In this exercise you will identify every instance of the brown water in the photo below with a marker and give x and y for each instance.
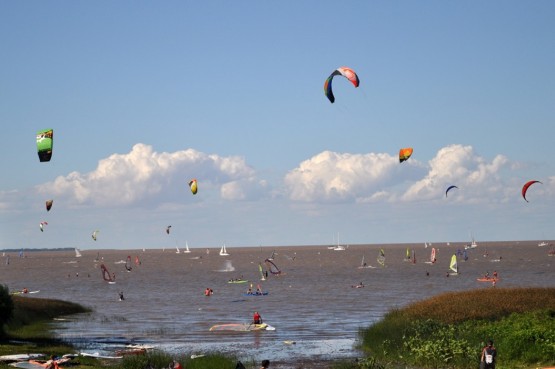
(311, 303)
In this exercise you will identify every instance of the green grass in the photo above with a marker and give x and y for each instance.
(449, 330)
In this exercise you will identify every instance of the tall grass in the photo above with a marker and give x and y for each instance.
(449, 330)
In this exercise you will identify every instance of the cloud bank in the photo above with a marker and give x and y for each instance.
(144, 175)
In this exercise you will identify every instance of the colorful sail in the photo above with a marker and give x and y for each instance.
(41, 225)
(272, 267)
(525, 188)
(453, 265)
(110, 278)
(342, 71)
(194, 186)
(404, 154)
(45, 140)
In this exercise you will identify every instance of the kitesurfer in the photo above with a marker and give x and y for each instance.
(256, 318)
(488, 356)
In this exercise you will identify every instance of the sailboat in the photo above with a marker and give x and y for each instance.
(453, 266)
(77, 253)
(472, 245)
(337, 247)
(223, 251)
(177, 251)
(187, 251)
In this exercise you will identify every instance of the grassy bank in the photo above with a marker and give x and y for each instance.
(449, 330)
(28, 331)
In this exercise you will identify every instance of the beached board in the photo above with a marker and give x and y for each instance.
(98, 356)
(20, 357)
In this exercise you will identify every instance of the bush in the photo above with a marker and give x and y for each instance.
(6, 308)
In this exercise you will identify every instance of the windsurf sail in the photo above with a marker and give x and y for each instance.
(77, 253)
(453, 265)
(272, 267)
(110, 278)
(381, 257)
(262, 276)
(413, 256)
(128, 263)
(137, 261)
(432, 256)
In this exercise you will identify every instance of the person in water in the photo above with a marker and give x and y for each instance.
(265, 364)
(208, 291)
(488, 356)
(256, 318)
(121, 298)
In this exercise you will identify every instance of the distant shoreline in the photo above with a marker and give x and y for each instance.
(199, 248)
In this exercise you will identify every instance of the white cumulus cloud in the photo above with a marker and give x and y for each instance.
(331, 176)
(373, 177)
(144, 174)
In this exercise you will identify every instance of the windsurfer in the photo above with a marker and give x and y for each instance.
(256, 318)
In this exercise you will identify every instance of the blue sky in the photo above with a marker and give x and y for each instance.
(144, 96)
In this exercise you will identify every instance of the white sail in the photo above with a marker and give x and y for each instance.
(77, 253)
(187, 248)
(223, 251)
(177, 251)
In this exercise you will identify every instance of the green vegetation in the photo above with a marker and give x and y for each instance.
(449, 330)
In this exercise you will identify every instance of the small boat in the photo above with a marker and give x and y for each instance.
(223, 251)
(242, 327)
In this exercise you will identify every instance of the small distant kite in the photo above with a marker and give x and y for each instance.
(41, 225)
(449, 189)
(526, 186)
(168, 229)
(49, 204)
(342, 71)
(45, 140)
(94, 234)
(404, 154)
(194, 187)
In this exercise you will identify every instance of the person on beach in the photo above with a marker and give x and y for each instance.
(489, 353)
(265, 364)
(51, 364)
(256, 318)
